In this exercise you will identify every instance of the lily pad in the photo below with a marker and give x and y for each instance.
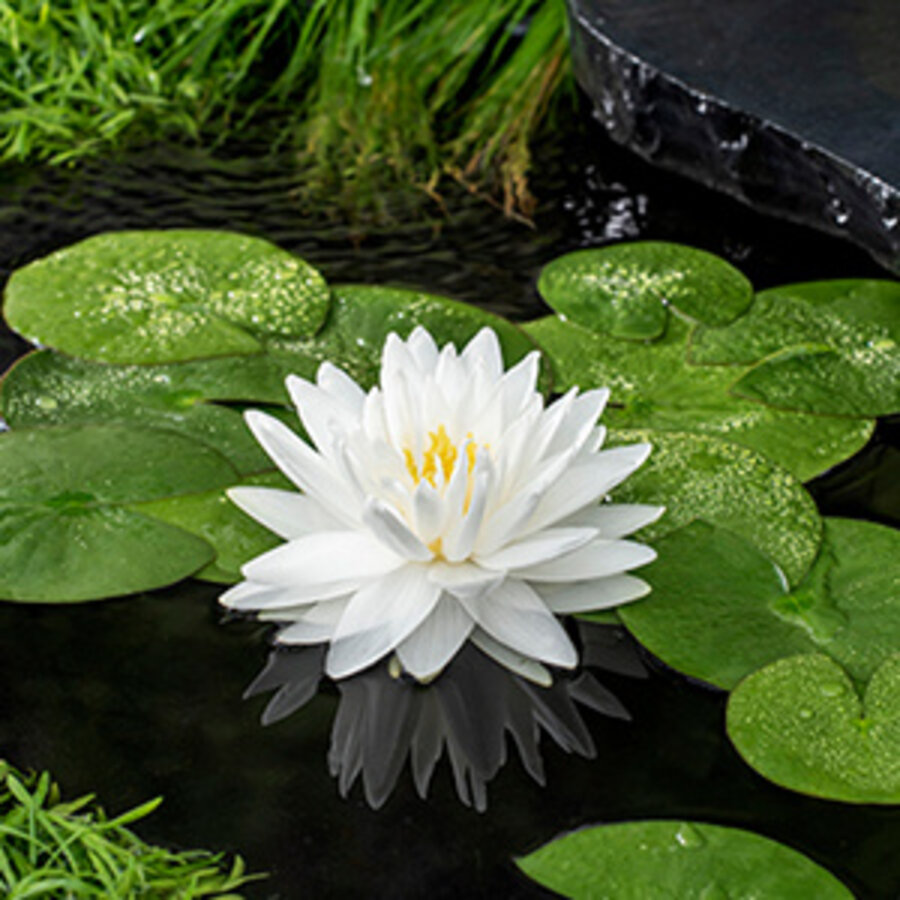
(826, 347)
(46, 388)
(657, 860)
(65, 532)
(363, 315)
(624, 290)
(800, 723)
(654, 387)
(165, 296)
(235, 537)
(720, 610)
(697, 476)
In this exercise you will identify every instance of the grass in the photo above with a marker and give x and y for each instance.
(73, 851)
(371, 93)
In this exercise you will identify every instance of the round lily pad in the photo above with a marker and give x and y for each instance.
(165, 296)
(826, 347)
(65, 534)
(235, 537)
(624, 290)
(658, 860)
(801, 723)
(697, 476)
(720, 610)
(362, 316)
(46, 388)
(654, 387)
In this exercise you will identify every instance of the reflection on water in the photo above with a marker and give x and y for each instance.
(382, 719)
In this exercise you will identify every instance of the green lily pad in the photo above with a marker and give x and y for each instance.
(65, 534)
(659, 860)
(720, 610)
(624, 290)
(46, 388)
(165, 296)
(235, 537)
(654, 387)
(800, 723)
(697, 476)
(826, 347)
(363, 315)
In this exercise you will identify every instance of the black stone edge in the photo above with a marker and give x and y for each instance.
(673, 125)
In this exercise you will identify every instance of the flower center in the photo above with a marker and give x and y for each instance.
(442, 452)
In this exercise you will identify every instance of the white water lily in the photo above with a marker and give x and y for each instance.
(447, 504)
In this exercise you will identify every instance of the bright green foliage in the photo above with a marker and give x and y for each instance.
(46, 388)
(624, 290)
(720, 610)
(825, 347)
(700, 477)
(234, 536)
(363, 315)
(801, 723)
(372, 93)
(653, 386)
(661, 860)
(165, 296)
(73, 850)
(65, 532)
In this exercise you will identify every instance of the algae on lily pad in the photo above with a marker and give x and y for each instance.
(653, 386)
(362, 316)
(623, 290)
(801, 723)
(829, 347)
(165, 296)
(46, 388)
(66, 533)
(720, 609)
(698, 476)
(235, 537)
(661, 860)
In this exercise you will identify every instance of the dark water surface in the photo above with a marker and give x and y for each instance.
(142, 696)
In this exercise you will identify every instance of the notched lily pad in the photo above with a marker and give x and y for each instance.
(720, 610)
(800, 723)
(624, 290)
(165, 296)
(46, 388)
(654, 387)
(235, 537)
(657, 860)
(701, 477)
(65, 534)
(362, 316)
(826, 347)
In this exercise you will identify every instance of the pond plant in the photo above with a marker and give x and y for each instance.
(444, 501)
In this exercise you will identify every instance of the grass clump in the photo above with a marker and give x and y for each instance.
(372, 93)
(72, 850)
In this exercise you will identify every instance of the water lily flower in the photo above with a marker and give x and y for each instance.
(446, 505)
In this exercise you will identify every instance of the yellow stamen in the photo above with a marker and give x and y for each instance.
(437, 548)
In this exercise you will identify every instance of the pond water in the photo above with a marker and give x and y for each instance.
(141, 696)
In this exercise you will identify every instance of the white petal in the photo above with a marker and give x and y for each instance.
(315, 626)
(393, 532)
(519, 385)
(423, 349)
(540, 547)
(320, 415)
(529, 669)
(584, 484)
(615, 520)
(378, 617)
(253, 596)
(341, 388)
(595, 560)
(460, 540)
(601, 593)
(428, 512)
(323, 558)
(580, 421)
(287, 513)
(484, 348)
(516, 616)
(436, 641)
(327, 611)
(464, 579)
(504, 524)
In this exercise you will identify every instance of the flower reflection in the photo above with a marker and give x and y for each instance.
(384, 718)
